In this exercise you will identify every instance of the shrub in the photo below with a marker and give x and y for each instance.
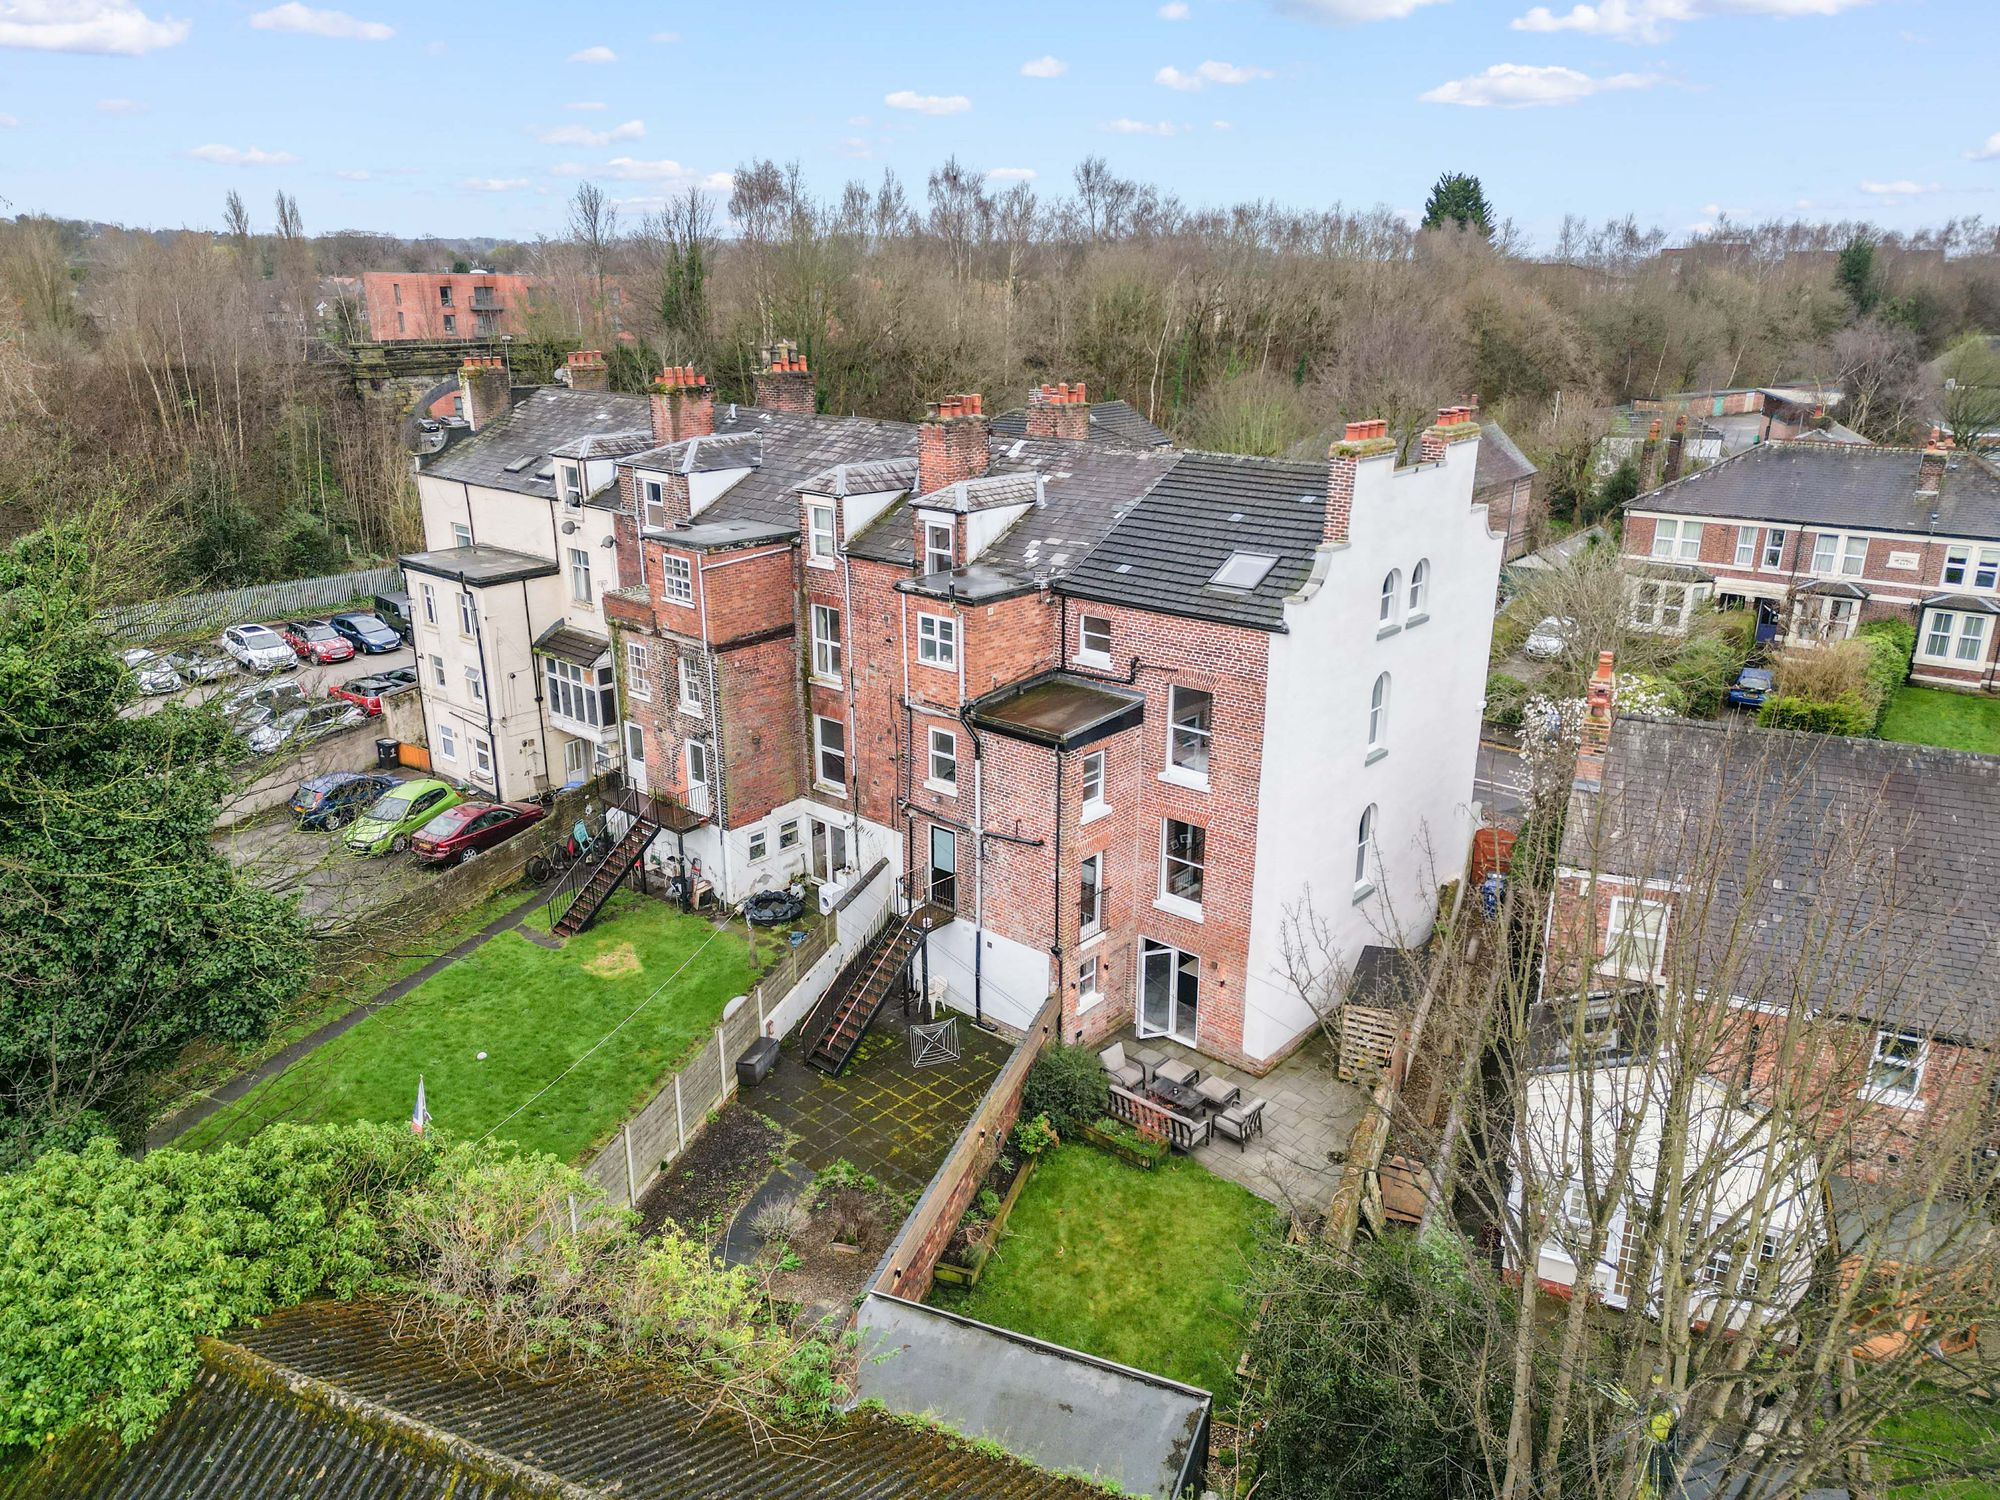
(1848, 714)
(1510, 630)
(1889, 644)
(1033, 1137)
(1824, 673)
(1650, 693)
(1706, 670)
(1066, 1084)
(1505, 697)
(781, 1221)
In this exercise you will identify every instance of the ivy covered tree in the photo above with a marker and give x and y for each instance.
(123, 934)
(1457, 198)
(1855, 274)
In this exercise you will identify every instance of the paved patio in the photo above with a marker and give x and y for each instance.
(1309, 1115)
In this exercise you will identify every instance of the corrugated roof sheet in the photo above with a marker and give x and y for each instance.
(1837, 484)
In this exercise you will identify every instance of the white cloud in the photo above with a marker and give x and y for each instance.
(1987, 150)
(1011, 174)
(855, 148)
(583, 135)
(586, 104)
(1140, 127)
(1222, 125)
(859, 122)
(1651, 20)
(120, 107)
(1515, 86)
(1351, 12)
(1902, 187)
(928, 104)
(355, 174)
(1044, 67)
(1173, 10)
(114, 26)
(664, 36)
(1207, 73)
(635, 169)
(8, 122)
(242, 156)
(306, 21)
(594, 55)
(494, 184)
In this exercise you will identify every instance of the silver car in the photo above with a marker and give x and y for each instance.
(1550, 637)
(155, 673)
(258, 647)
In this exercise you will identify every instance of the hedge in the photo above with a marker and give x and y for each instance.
(1891, 643)
(1848, 714)
(1506, 697)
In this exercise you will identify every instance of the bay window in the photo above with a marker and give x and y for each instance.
(583, 695)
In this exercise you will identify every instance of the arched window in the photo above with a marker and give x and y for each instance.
(1420, 587)
(1392, 596)
(1378, 714)
(1364, 846)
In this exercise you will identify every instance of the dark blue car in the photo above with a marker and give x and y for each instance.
(337, 798)
(366, 632)
(1752, 687)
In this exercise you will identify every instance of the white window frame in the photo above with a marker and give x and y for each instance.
(821, 534)
(828, 659)
(1090, 876)
(824, 754)
(579, 575)
(1367, 836)
(1088, 626)
(1389, 610)
(1661, 605)
(568, 688)
(569, 479)
(430, 599)
(1378, 718)
(1986, 569)
(1089, 987)
(937, 641)
(447, 742)
(1420, 593)
(461, 534)
(1903, 1096)
(1200, 740)
(1746, 546)
(676, 579)
(637, 685)
(1619, 929)
(1772, 558)
(653, 503)
(694, 691)
(933, 552)
(941, 753)
(1676, 539)
(759, 844)
(438, 677)
(1169, 899)
(1093, 773)
(468, 615)
(475, 683)
(482, 756)
(1839, 554)
(1963, 633)
(788, 834)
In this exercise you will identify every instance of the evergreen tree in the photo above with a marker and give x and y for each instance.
(1855, 273)
(1457, 198)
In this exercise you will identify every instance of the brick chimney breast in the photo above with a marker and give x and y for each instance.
(588, 371)
(783, 381)
(951, 442)
(1930, 472)
(1059, 411)
(1594, 743)
(1362, 442)
(681, 405)
(485, 388)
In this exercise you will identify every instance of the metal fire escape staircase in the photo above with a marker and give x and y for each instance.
(859, 990)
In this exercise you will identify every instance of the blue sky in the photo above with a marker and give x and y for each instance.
(479, 119)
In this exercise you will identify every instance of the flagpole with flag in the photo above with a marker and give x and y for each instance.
(421, 1115)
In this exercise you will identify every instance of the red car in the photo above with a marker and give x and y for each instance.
(316, 640)
(458, 833)
(367, 693)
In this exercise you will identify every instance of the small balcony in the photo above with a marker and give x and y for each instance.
(485, 299)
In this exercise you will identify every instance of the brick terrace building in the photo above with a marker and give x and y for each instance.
(436, 306)
(1819, 537)
(1122, 708)
(1830, 892)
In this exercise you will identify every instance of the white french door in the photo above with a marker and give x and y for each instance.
(1169, 992)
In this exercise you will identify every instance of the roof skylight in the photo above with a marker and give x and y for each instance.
(1243, 570)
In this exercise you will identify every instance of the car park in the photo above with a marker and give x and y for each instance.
(388, 824)
(366, 633)
(316, 641)
(1550, 637)
(367, 693)
(458, 833)
(258, 647)
(337, 798)
(393, 610)
(250, 706)
(1753, 685)
(200, 664)
(153, 672)
(301, 726)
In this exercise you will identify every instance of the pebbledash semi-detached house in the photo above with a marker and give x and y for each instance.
(1820, 537)
(1123, 710)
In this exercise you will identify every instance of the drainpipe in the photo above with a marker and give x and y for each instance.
(847, 665)
(486, 682)
(715, 720)
(535, 674)
(1055, 904)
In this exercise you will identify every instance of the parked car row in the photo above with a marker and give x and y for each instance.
(265, 648)
(384, 814)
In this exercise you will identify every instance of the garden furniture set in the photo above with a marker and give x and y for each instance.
(1180, 1086)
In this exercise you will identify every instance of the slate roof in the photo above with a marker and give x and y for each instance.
(1837, 484)
(877, 478)
(796, 448)
(1866, 864)
(321, 1400)
(1162, 554)
(547, 420)
(702, 455)
(1112, 419)
(1500, 462)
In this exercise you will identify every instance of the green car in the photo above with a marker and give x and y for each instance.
(398, 813)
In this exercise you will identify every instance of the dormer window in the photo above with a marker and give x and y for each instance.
(653, 495)
(939, 553)
(570, 477)
(819, 534)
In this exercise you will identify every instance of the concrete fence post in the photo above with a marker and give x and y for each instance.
(721, 1063)
(680, 1118)
(631, 1181)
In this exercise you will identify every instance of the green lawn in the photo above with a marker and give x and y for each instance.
(533, 1013)
(1145, 1268)
(1936, 1433)
(1938, 716)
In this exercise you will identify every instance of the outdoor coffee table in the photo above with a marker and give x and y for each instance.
(1178, 1095)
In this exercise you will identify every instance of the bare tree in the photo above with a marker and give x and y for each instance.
(593, 225)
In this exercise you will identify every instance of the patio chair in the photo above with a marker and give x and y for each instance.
(1217, 1092)
(1125, 1074)
(1241, 1121)
(1177, 1072)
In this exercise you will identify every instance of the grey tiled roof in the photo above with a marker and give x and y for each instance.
(1499, 462)
(606, 444)
(878, 478)
(1837, 484)
(326, 1401)
(795, 449)
(1162, 555)
(1865, 864)
(534, 429)
(1108, 419)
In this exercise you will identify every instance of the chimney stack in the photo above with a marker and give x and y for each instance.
(1455, 424)
(1649, 457)
(484, 388)
(1676, 446)
(1594, 744)
(588, 371)
(951, 442)
(681, 408)
(1930, 472)
(1363, 441)
(1059, 411)
(784, 383)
